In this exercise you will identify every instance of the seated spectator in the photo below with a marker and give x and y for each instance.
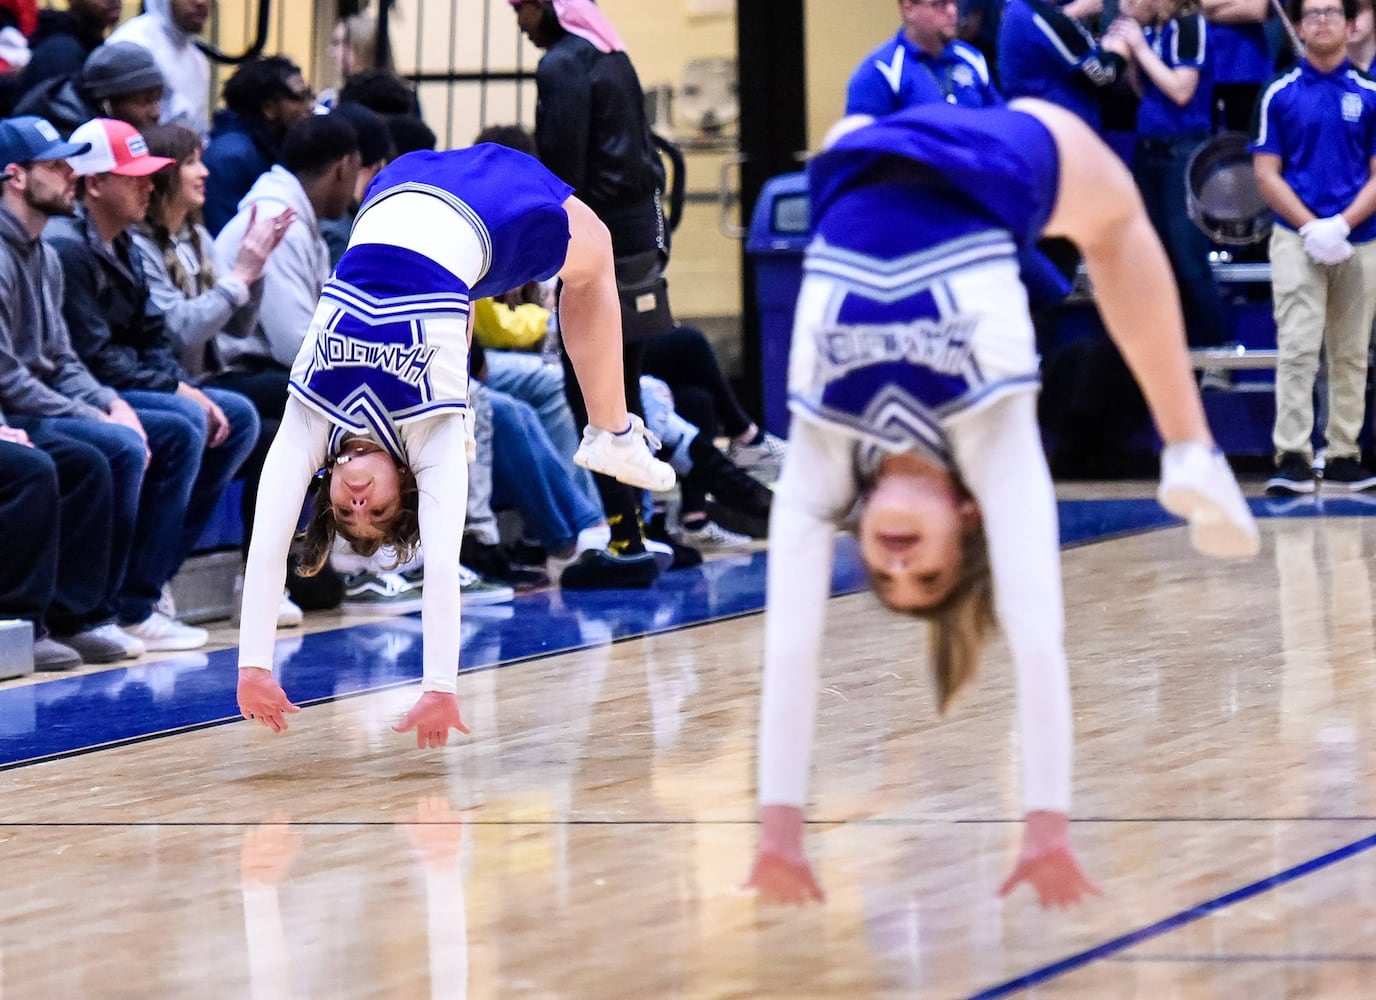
(263, 99)
(46, 391)
(702, 469)
(526, 472)
(168, 29)
(18, 21)
(117, 81)
(56, 504)
(316, 179)
(409, 134)
(374, 153)
(513, 337)
(65, 38)
(383, 91)
(203, 434)
(353, 49)
(205, 300)
(683, 357)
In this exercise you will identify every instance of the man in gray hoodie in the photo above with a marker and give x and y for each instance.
(315, 178)
(168, 29)
(45, 390)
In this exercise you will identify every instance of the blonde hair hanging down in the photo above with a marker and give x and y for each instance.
(960, 626)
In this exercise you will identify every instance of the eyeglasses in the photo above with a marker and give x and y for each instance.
(1323, 14)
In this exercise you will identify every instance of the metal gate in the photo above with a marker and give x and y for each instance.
(469, 62)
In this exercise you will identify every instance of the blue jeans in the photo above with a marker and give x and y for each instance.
(1160, 167)
(184, 482)
(530, 475)
(84, 514)
(529, 379)
(124, 453)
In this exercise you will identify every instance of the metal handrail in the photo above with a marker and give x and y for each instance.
(254, 51)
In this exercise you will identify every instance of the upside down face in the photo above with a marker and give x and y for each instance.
(365, 490)
(911, 533)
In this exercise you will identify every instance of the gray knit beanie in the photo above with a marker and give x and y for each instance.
(118, 68)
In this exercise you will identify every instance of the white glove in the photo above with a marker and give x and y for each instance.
(1325, 240)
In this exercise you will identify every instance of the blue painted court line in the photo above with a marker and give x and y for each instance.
(1243, 959)
(1108, 948)
(108, 708)
(67, 715)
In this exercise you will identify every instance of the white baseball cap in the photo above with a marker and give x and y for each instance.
(116, 148)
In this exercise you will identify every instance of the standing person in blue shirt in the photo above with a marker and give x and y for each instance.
(1241, 56)
(378, 407)
(1044, 51)
(926, 65)
(913, 385)
(1173, 67)
(922, 64)
(1313, 152)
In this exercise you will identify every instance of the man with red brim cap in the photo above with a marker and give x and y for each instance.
(197, 437)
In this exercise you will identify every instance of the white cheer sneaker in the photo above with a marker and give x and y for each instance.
(1197, 485)
(628, 457)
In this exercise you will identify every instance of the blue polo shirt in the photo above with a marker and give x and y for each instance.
(1180, 43)
(1241, 53)
(894, 76)
(899, 74)
(1044, 53)
(1323, 128)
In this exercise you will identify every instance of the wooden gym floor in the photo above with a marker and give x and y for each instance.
(588, 838)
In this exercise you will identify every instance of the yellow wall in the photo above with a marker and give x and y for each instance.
(839, 34)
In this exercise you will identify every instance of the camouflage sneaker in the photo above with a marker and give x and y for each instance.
(380, 594)
(477, 591)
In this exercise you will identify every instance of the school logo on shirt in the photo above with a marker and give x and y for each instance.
(941, 345)
(963, 76)
(407, 362)
(1352, 107)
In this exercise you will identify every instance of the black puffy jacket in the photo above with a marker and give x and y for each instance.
(592, 133)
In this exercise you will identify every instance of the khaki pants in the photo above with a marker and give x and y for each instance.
(1316, 306)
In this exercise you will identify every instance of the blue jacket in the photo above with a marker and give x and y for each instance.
(240, 151)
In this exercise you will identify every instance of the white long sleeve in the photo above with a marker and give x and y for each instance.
(816, 487)
(999, 452)
(297, 453)
(438, 449)
(438, 452)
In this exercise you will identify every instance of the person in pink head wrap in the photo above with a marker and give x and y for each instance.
(592, 133)
(584, 19)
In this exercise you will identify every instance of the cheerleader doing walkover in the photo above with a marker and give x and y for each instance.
(913, 384)
(379, 392)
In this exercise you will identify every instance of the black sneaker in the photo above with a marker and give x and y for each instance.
(1294, 476)
(681, 556)
(1347, 474)
(597, 569)
(490, 561)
